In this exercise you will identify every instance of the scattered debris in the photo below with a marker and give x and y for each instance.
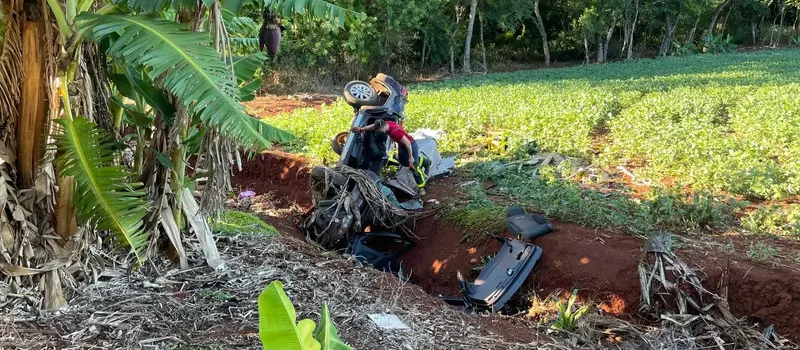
(211, 309)
(673, 292)
(467, 183)
(387, 321)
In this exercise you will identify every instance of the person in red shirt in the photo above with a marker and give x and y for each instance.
(407, 150)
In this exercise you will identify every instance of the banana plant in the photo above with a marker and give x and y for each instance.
(173, 60)
(278, 328)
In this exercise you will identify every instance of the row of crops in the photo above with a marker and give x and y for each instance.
(723, 124)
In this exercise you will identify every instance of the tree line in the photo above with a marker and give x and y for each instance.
(469, 35)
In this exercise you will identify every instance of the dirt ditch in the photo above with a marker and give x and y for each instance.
(600, 263)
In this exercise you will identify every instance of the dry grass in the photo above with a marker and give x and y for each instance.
(203, 308)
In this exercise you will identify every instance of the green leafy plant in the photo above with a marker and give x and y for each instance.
(233, 222)
(106, 195)
(279, 330)
(763, 252)
(567, 314)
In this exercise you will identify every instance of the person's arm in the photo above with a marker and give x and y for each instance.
(366, 128)
(407, 145)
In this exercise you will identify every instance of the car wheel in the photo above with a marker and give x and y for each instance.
(338, 141)
(358, 93)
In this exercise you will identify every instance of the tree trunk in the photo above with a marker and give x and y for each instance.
(628, 26)
(633, 29)
(753, 31)
(690, 37)
(780, 26)
(600, 55)
(542, 32)
(772, 40)
(608, 40)
(710, 33)
(458, 11)
(33, 107)
(725, 21)
(424, 43)
(483, 47)
(473, 8)
(666, 43)
(586, 48)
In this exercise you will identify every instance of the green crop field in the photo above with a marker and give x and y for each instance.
(720, 126)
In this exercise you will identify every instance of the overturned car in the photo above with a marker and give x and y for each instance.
(353, 196)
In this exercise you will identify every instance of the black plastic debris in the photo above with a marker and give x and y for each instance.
(507, 271)
(380, 250)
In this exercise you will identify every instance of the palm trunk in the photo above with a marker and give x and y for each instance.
(693, 31)
(710, 33)
(473, 8)
(542, 32)
(33, 107)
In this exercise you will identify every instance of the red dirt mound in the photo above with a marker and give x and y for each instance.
(283, 173)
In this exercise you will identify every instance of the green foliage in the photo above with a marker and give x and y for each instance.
(279, 330)
(105, 195)
(719, 45)
(318, 8)
(764, 253)
(776, 220)
(194, 72)
(480, 216)
(567, 314)
(718, 125)
(232, 222)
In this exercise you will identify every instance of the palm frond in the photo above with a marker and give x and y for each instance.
(105, 195)
(317, 8)
(188, 68)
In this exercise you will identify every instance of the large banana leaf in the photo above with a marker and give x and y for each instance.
(326, 332)
(105, 195)
(317, 8)
(189, 68)
(277, 322)
(154, 6)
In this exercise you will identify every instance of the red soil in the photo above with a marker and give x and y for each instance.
(282, 173)
(266, 106)
(601, 264)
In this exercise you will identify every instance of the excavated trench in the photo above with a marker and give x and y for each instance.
(600, 263)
